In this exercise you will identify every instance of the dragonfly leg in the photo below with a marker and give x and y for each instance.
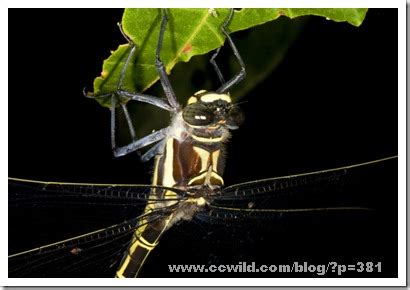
(135, 144)
(155, 101)
(123, 94)
(166, 85)
(215, 66)
(242, 73)
(137, 96)
(154, 150)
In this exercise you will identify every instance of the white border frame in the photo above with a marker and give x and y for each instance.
(400, 281)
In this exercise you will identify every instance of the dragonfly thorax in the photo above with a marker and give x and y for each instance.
(194, 151)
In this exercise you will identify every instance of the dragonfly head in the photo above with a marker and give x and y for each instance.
(211, 111)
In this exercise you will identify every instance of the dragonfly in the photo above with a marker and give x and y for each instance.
(187, 184)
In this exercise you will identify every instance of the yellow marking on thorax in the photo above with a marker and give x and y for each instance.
(209, 98)
(168, 177)
(215, 175)
(199, 92)
(192, 100)
(215, 159)
(200, 201)
(207, 140)
(208, 169)
(155, 176)
(208, 176)
(204, 156)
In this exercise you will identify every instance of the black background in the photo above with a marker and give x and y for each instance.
(331, 102)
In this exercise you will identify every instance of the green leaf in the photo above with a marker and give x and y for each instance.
(352, 16)
(190, 32)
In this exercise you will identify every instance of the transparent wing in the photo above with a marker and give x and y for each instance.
(24, 192)
(101, 249)
(337, 189)
(344, 215)
(74, 230)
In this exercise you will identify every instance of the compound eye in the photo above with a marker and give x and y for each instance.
(235, 118)
(198, 115)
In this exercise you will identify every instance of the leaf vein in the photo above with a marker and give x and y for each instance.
(217, 34)
(201, 23)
